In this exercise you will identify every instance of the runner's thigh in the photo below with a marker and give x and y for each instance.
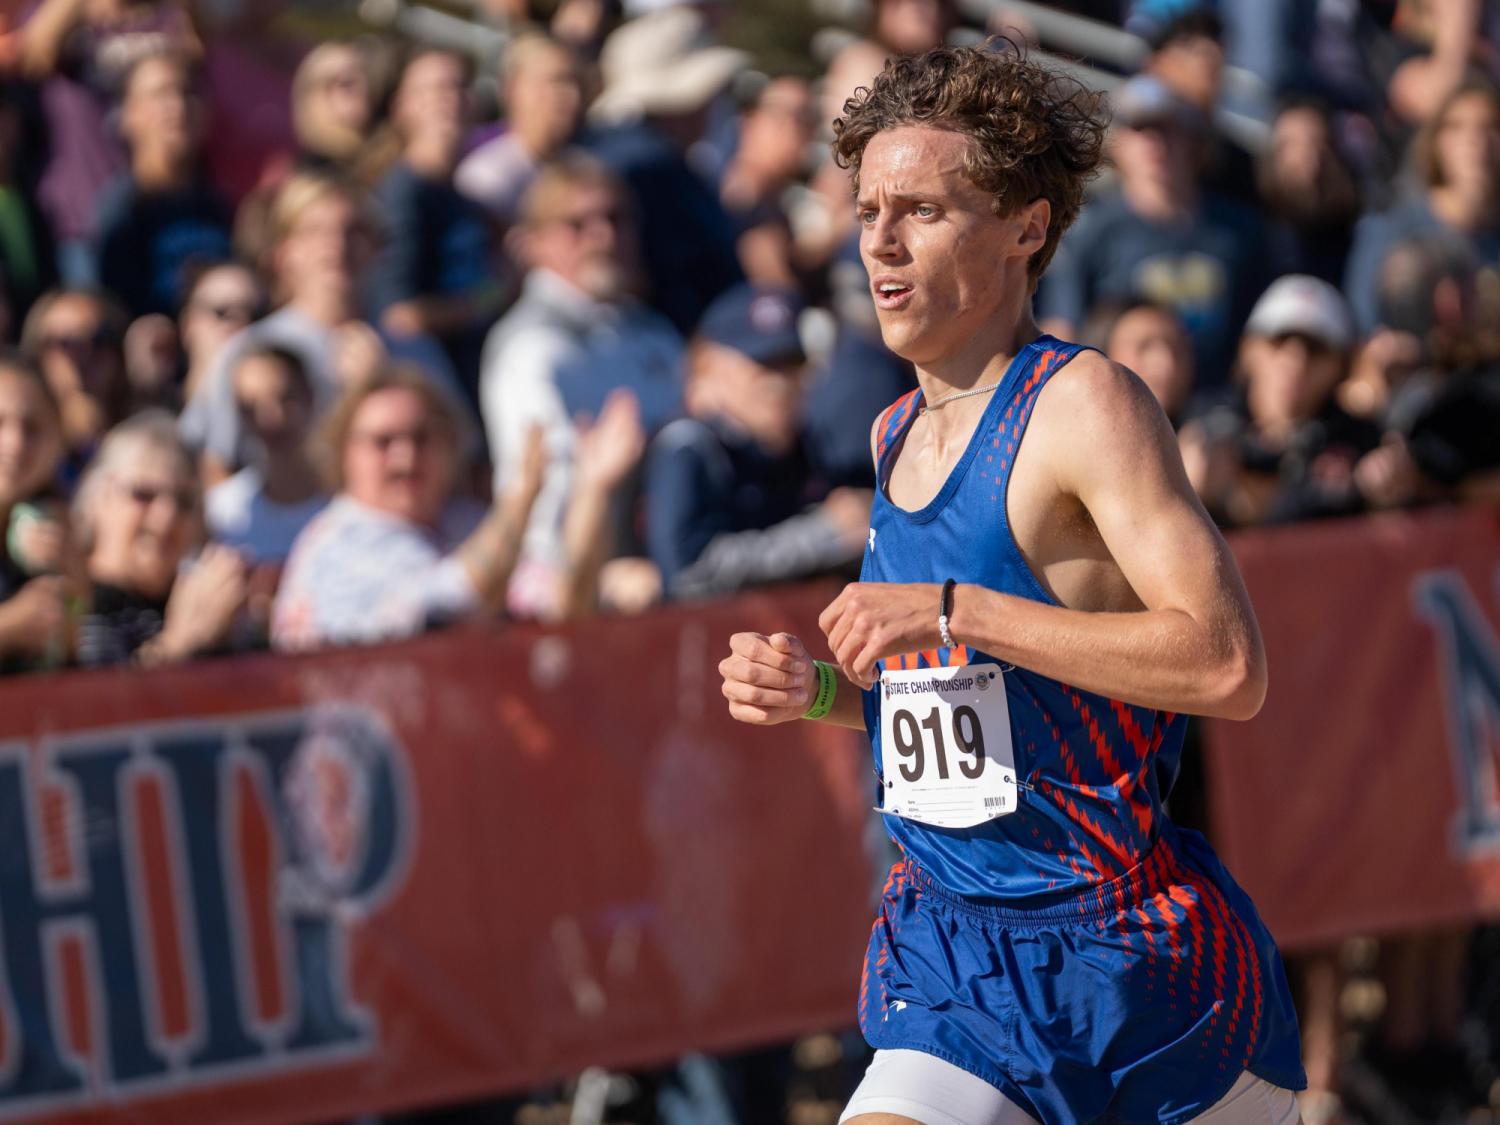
(1252, 1101)
(913, 1086)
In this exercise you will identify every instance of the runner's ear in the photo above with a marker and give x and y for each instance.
(1035, 219)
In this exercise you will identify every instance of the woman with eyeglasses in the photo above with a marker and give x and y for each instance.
(138, 515)
(394, 553)
(166, 359)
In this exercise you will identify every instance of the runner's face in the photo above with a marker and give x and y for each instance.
(941, 262)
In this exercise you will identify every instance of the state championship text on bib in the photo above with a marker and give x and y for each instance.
(945, 745)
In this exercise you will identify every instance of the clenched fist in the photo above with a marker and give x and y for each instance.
(767, 679)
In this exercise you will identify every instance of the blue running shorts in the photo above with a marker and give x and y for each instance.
(1142, 1000)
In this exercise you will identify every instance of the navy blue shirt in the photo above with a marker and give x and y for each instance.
(437, 244)
(706, 479)
(686, 238)
(147, 238)
(1209, 270)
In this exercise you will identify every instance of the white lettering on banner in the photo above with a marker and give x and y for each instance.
(945, 745)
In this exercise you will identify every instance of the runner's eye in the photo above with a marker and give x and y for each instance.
(867, 216)
(925, 210)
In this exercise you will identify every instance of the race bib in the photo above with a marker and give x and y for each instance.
(945, 745)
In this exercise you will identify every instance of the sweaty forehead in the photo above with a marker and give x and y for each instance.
(913, 158)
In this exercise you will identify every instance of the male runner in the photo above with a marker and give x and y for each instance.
(1043, 599)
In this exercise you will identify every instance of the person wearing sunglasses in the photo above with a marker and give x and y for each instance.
(223, 297)
(1295, 448)
(576, 333)
(138, 515)
(166, 360)
(74, 336)
(395, 552)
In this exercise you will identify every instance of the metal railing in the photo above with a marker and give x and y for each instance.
(1112, 54)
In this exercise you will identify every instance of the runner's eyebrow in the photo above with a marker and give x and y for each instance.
(864, 202)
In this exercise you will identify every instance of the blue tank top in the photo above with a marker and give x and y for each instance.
(1093, 772)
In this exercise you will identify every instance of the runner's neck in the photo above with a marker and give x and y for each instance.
(983, 362)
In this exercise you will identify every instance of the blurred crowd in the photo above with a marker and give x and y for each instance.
(337, 344)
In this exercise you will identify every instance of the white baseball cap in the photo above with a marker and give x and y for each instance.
(1308, 306)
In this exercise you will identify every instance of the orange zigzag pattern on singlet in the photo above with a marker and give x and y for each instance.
(1134, 735)
(1122, 855)
(1133, 788)
(1070, 766)
(1112, 767)
(1095, 832)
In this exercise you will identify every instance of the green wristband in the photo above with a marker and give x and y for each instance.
(828, 685)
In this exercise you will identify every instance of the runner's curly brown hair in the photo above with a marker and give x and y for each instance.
(1033, 134)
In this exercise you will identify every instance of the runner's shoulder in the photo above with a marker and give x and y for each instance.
(1094, 396)
(879, 423)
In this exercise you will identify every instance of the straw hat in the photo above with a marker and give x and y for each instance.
(662, 63)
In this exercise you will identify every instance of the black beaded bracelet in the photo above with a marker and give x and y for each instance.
(945, 610)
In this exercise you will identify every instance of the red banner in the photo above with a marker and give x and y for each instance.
(1363, 797)
(297, 889)
(275, 889)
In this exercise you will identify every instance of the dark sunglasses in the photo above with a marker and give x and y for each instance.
(95, 341)
(580, 223)
(239, 313)
(145, 495)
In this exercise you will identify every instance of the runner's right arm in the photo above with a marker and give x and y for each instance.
(770, 680)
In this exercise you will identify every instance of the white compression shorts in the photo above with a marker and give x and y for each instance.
(925, 1088)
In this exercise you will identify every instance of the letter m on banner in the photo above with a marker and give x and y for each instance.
(1471, 678)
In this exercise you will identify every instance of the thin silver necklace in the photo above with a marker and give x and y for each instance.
(946, 399)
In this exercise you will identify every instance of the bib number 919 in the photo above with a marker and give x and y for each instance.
(968, 737)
